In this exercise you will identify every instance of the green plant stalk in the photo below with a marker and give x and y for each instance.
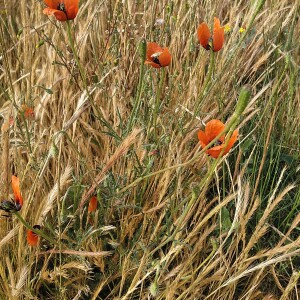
(71, 41)
(137, 100)
(59, 210)
(157, 100)
(36, 231)
(27, 135)
(27, 131)
(208, 80)
(223, 179)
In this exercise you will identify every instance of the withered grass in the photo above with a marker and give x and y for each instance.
(165, 237)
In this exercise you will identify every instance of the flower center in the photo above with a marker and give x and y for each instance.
(10, 206)
(155, 58)
(62, 7)
(216, 143)
(210, 44)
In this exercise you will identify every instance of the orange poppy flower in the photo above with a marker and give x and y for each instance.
(212, 129)
(8, 205)
(15, 182)
(93, 204)
(157, 56)
(62, 10)
(204, 36)
(33, 238)
(28, 112)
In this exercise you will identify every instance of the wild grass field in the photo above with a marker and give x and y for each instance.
(105, 148)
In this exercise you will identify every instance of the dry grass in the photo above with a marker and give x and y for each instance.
(164, 228)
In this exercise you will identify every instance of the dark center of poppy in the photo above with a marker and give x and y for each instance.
(9, 206)
(62, 7)
(18, 205)
(209, 44)
(156, 60)
(216, 143)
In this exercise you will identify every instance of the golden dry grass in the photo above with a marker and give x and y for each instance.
(164, 228)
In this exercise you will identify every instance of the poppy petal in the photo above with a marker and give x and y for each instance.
(218, 35)
(157, 56)
(151, 49)
(53, 3)
(232, 140)
(165, 57)
(58, 14)
(32, 238)
(28, 112)
(203, 35)
(15, 182)
(71, 7)
(93, 204)
(214, 128)
(203, 138)
(215, 151)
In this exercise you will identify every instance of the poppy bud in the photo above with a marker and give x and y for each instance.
(243, 100)
(143, 49)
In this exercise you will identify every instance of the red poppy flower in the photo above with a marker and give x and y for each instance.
(212, 129)
(15, 182)
(28, 112)
(204, 36)
(8, 205)
(93, 204)
(33, 238)
(62, 10)
(157, 56)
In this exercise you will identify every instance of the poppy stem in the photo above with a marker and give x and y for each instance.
(137, 99)
(36, 231)
(157, 100)
(210, 72)
(26, 130)
(224, 179)
(208, 80)
(72, 45)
